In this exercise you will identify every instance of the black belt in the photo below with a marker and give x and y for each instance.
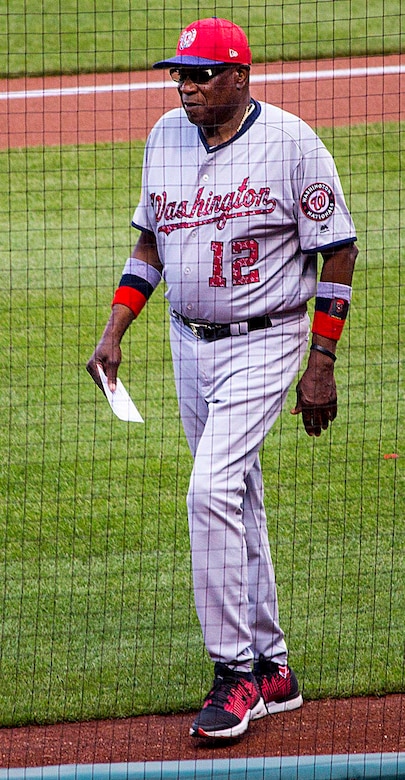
(211, 331)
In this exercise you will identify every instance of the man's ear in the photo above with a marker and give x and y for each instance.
(242, 76)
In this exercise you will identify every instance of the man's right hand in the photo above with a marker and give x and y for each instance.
(107, 353)
(108, 356)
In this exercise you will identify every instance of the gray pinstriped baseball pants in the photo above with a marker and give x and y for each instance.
(230, 393)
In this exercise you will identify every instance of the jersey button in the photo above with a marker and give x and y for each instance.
(189, 306)
(205, 177)
(187, 270)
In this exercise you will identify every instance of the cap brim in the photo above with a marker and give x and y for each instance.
(187, 60)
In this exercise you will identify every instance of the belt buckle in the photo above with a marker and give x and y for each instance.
(203, 330)
(195, 329)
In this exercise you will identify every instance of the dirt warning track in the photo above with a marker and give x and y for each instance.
(84, 109)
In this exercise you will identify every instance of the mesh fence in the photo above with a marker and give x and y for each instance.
(96, 599)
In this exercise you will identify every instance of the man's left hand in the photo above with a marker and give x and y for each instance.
(316, 395)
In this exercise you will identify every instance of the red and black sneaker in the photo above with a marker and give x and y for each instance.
(278, 686)
(232, 702)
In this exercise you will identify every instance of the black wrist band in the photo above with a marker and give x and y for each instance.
(318, 348)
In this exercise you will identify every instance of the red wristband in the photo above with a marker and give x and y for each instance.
(130, 297)
(325, 325)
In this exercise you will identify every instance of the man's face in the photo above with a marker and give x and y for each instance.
(209, 96)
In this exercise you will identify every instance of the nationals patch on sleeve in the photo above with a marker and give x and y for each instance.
(318, 202)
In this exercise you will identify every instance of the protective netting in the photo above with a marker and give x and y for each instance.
(97, 609)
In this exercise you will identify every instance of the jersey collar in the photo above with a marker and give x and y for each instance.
(245, 127)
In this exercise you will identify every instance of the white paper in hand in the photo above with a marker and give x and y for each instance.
(120, 402)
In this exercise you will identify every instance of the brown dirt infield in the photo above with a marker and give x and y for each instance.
(355, 725)
(58, 110)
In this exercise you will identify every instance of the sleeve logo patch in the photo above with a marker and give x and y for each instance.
(318, 202)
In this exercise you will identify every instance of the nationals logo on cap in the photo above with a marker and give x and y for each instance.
(209, 42)
(187, 39)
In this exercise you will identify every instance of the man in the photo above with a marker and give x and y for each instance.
(237, 200)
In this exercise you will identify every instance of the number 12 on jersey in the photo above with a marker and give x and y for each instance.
(239, 276)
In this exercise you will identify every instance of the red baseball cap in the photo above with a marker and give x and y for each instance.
(208, 42)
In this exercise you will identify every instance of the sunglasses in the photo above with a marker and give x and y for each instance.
(197, 75)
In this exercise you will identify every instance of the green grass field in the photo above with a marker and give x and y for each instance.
(102, 36)
(97, 615)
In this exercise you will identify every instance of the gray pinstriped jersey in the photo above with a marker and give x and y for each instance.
(238, 227)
